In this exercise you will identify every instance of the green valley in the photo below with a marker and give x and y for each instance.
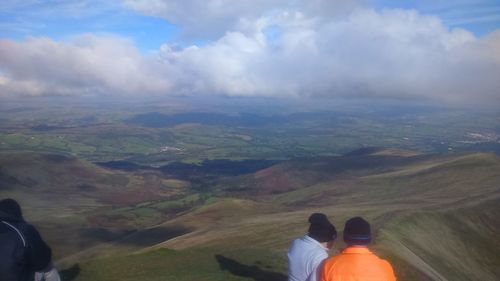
(221, 195)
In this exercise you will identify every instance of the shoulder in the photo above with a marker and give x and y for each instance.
(296, 245)
(331, 261)
(305, 248)
(387, 268)
(296, 242)
(319, 255)
(305, 244)
(19, 228)
(31, 235)
(26, 228)
(329, 266)
(383, 262)
(387, 265)
(9, 232)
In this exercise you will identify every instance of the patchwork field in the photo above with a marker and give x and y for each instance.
(169, 191)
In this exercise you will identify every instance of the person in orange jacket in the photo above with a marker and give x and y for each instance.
(357, 262)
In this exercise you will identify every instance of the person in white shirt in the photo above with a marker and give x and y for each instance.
(307, 253)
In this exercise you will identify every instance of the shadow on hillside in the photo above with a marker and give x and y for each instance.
(152, 236)
(141, 238)
(70, 273)
(251, 271)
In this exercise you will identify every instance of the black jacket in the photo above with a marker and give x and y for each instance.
(22, 250)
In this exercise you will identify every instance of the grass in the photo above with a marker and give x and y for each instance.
(434, 218)
(451, 245)
(74, 201)
(187, 265)
(454, 240)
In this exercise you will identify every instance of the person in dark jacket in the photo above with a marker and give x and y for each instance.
(22, 250)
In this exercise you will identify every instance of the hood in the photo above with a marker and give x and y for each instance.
(9, 217)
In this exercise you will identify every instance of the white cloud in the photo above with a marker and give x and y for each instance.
(393, 53)
(211, 19)
(259, 50)
(205, 19)
(88, 64)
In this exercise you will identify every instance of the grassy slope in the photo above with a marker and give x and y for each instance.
(64, 195)
(187, 265)
(453, 245)
(435, 219)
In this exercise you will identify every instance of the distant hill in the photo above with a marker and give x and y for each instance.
(303, 172)
(380, 151)
(61, 175)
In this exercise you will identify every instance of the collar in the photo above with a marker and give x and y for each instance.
(356, 250)
(309, 239)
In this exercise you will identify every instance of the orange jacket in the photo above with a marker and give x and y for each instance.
(357, 264)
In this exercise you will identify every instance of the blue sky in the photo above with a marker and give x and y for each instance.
(480, 16)
(64, 19)
(445, 51)
(60, 21)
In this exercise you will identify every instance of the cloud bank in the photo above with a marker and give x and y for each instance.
(87, 65)
(267, 48)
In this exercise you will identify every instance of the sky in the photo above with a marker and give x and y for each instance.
(440, 51)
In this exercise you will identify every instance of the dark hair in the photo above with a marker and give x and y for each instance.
(12, 208)
(357, 231)
(321, 229)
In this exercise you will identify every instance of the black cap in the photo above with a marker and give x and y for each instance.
(357, 231)
(321, 229)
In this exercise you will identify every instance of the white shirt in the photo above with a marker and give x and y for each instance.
(304, 259)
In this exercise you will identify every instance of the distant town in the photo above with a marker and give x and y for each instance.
(171, 149)
(482, 137)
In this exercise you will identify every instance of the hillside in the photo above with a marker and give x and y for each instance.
(434, 216)
(70, 199)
